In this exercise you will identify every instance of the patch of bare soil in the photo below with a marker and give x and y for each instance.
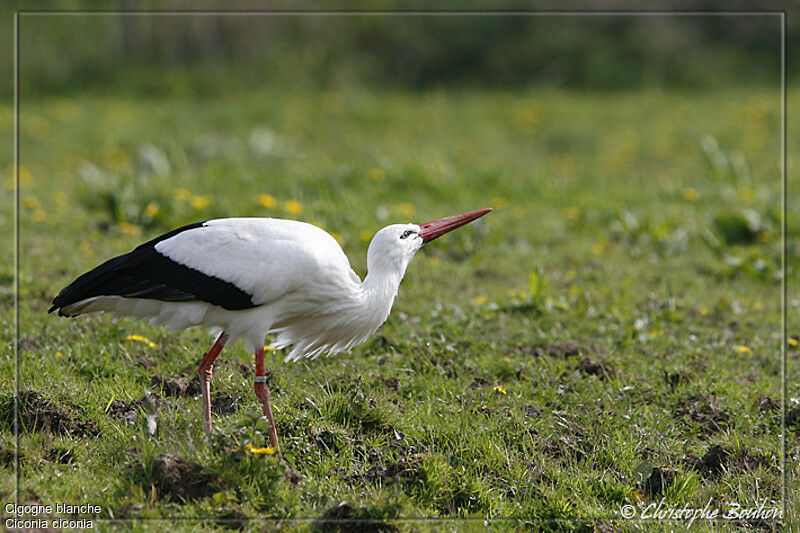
(346, 518)
(37, 413)
(713, 462)
(592, 368)
(705, 411)
(174, 478)
(130, 411)
(176, 387)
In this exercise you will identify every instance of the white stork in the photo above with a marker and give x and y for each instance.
(245, 278)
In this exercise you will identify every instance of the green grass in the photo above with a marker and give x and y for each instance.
(642, 227)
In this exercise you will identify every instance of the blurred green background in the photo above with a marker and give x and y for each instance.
(207, 54)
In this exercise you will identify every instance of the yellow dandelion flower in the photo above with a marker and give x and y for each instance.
(746, 195)
(377, 174)
(30, 202)
(364, 235)
(500, 389)
(763, 237)
(479, 300)
(182, 194)
(294, 207)
(690, 194)
(200, 202)
(266, 200)
(741, 348)
(572, 213)
(59, 355)
(792, 341)
(656, 332)
(130, 229)
(498, 202)
(39, 215)
(406, 209)
(704, 311)
(142, 339)
(268, 348)
(259, 451)
(598, 248)
(758, 305)
(152, 209)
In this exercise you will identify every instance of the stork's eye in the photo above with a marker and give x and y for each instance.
(407, 233)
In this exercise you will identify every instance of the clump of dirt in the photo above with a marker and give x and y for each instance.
(129, 411)
(705, 411)
(713, 462)
(592, 368)
(174, 478)
(392, 383)
(176, 386)
(225, 404)
(37, 413)
(658, 481)
(748, 462)
(765, 403)
(558, 349)
(346, 518)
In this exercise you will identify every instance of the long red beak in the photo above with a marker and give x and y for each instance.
(436, 228)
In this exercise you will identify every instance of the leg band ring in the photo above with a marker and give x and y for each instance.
(260, 379)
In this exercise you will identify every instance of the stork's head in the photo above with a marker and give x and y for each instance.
(393, 247)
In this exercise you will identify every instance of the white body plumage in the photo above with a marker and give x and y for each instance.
(299, 280)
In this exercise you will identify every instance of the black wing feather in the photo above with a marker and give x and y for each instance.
(145, 273)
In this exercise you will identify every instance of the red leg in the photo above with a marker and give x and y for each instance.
(262, 392)
(205, 370)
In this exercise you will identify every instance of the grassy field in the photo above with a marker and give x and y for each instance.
(618, 313)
